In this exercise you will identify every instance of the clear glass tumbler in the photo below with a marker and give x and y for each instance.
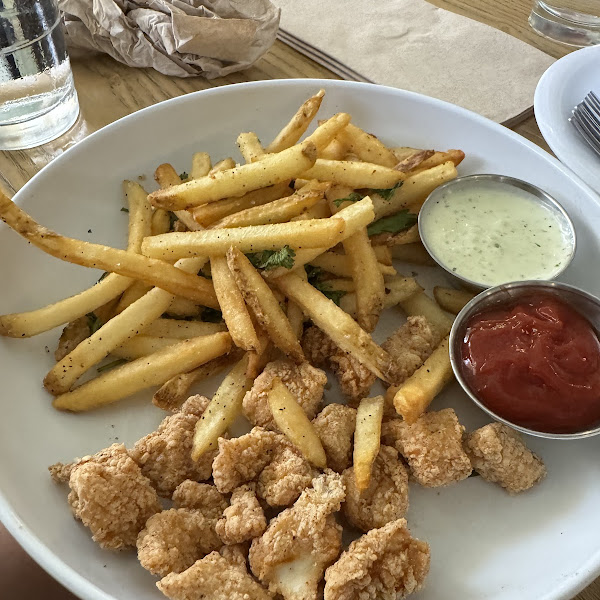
(38, 101)
(572, 22)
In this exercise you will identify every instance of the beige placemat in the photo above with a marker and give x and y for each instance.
(413, 45)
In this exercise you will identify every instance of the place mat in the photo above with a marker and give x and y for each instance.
(413, 45)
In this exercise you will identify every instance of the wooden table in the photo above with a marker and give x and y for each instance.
(109, 90)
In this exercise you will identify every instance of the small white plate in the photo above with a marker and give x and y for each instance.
(561, 88)
(485, 544)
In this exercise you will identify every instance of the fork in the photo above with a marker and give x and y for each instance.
(586, 120)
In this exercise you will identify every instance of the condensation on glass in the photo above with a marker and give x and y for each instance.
(38, 101)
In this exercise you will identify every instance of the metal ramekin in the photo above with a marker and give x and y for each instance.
(542, 196)
(586, 304)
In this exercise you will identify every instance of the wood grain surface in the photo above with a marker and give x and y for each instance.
(109, 90)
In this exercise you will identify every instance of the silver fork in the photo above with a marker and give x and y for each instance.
(586, 120)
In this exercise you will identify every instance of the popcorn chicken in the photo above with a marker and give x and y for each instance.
(499, 455)
(200, 496)
(61, 472)
(244, 519)
(383, 564)
(335, 425)
(242, 459)
(433, 448)
(173, 540)
(213, 578)
(111, 497)
(301, 542)
(236, 554)
(305, 383)
(386, 498)
(165, 454)
(354, 378)
(284, 478)
(409, 346)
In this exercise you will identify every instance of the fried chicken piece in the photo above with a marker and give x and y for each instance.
(383, 564)
(499, 455)
(242, 459)
(335, 425)
(409, 346)
(236, 554)
(213, 578)
(244, 519)
(173, 540)
(301, 542)
(61, 472)
(111, 497)
(285, 477)
(386, 498)
(392, 432)
(200, 496)
(432, 445)
(354, 378)
(305, 383)
(165, 454)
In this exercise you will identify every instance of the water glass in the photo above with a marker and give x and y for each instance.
(572, 22)
(38, 101)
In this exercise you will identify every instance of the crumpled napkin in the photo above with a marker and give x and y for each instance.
(183, 38)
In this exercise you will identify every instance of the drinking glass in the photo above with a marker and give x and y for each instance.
(572, 22)
(38, 101)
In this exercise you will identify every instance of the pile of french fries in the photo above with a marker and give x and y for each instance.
(303, 230)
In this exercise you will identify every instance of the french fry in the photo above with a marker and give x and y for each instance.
(182, 330)
(233, 307)
(422, 305)
(160, 222)
(250, 146)
(339, 265)
(412, 161)
(183, 308)
(111, 335)
(326, 132)
(354, 175)
(338, 325)
(342, 284)
(174, 392)
(451, 300)
(264, 305)
(410, 236)
(335, 150)
(254, 238)
(355, 216)
(257, 360)
(135, 266)
(402, 152)
(166, 176)
(143, 373)
(397, 289)
(201, 165)
(320, 210)
(296, 318)
(278, 211)
(414, 253)
(223, 165)
(364, 269)
(222, 410)
(134, 292)
(34, 322)
(383, 254)
(237, 181)
(367, 439)
(438, 158)
(207, 214)
(142, 345)
(298, 124)
(414, 191)
(292, 421)
(413, 397)
(366, 146)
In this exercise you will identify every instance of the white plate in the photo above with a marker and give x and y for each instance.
(563, 86)
(485, 544)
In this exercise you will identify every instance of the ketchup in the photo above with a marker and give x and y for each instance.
(535, 363)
